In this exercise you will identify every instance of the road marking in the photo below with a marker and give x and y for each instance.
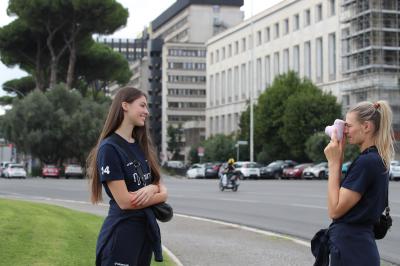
(247, 228)
(308, 206)
(215, 199)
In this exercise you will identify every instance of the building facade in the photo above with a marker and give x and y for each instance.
(349, 48)
(177, 62)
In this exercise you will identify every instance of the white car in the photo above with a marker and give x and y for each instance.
(247, 170)
(394, 172)
(73, 170)
(317, 171)
(197, 170)
(3, 166)
(15, 170)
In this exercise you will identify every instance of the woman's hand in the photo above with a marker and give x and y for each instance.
(334, 151)
(142, 196)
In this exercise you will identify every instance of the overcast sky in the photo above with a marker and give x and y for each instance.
(140, 14)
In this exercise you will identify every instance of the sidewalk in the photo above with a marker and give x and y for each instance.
(201, 243)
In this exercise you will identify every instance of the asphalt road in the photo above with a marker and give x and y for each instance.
(296, 208)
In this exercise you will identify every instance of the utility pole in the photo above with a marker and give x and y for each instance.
(252, 85)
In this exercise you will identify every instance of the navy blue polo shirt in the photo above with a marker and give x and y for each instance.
(114, 164)
(368, 176)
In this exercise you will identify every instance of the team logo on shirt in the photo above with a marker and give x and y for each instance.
(105, 170)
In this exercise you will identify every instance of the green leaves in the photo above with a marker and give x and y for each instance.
(286, 115)
(53, 126)
(219, 148)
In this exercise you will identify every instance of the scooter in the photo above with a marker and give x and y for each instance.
(231, 182)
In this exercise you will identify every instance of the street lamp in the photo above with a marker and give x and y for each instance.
(252, 87)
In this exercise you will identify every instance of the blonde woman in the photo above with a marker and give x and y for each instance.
(357, 202)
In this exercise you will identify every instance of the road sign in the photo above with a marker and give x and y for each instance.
(200, 151)
(242, 142)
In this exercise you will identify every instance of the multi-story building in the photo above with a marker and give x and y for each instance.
(370, 52)
(177, 62)
(347, 47)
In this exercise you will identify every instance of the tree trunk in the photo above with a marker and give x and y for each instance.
(71, 65)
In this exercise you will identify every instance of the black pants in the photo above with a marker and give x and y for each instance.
(128, 246)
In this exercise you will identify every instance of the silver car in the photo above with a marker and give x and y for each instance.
(317, 171)
(394, 172)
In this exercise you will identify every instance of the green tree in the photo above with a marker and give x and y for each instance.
(174, 142)
(219, 148)
(193, 155)
(315, 146)
(22, 85)
(47, 35)
(54, 126)
(286, 115)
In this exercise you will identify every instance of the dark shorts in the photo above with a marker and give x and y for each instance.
(352, 245)
(128, 245)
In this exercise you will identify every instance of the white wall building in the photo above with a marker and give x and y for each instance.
(294, 35)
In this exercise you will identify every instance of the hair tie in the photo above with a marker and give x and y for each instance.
(377, 105)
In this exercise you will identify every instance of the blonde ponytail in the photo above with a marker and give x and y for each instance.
(380, 114)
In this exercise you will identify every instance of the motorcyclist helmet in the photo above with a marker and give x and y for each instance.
(231, 161)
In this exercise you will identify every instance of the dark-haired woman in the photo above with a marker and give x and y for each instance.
(130, 232)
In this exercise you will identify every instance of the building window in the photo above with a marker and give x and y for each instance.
(318, 12)
(236, 47)
(276, 34)
(236, 83)
(332, 56)
(217, 56)
(211, 58)
(276, 64)
(229, 86)
(223, 53)
(229, 50)
(217, 89)
(259, 38)
(332, 7)
(243, 44)
(250, 41)
(223, 87)
(307, 17)
(307, 60)
(286, 26)
(212, 91)
(259, 85)
(267, 36)
(296, 59)
(296, 22)
(285, 60)
(319, 60)
(243, 81)
(267, 71)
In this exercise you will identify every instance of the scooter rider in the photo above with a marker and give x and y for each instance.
(228, 172)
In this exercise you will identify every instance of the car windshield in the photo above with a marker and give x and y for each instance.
(50, 166)
(321, 165)
(275, 164)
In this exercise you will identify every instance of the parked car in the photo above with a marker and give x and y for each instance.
(3, 166)
(15, 170)
(50, 171)
(275, 169)
(295, 172)
(345, 167)
(316, 171)
(212, 169)
(73, 170)
(394, 172)
(196, 170)
(247, 170)
(175, 164)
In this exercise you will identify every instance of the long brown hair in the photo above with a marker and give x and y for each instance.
(140, 134)
(380, 114)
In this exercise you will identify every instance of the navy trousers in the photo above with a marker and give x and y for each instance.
(352, 245)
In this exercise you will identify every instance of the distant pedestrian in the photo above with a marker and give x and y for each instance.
(357, 202)
(130, 231)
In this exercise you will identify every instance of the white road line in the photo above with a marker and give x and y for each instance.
(308, 206)
(214, 199)
(247, 228)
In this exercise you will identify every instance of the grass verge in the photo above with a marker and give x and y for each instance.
(42, 235)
